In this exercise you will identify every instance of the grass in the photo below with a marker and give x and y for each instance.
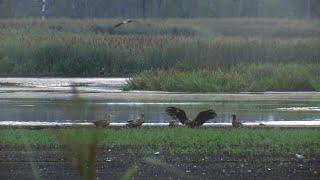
(64, 47)
(182, 140)
(246, 77)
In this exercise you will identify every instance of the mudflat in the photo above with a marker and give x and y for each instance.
(51, 163)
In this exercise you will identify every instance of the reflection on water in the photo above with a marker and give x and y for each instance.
(53, 111)
(301, 109)
(42, 99)
(61, 84)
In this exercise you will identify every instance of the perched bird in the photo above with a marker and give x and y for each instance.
(136, 122)
(103, 123)
(235, 122)
(124, 22)
(202, 117)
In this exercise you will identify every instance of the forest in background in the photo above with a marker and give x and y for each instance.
(159, 8)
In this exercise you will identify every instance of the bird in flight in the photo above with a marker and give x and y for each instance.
(201, 118)
(124, 22)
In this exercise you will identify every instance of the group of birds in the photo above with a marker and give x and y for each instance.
(130, 123)
(177, 116)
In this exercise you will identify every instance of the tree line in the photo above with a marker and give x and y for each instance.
(159, 8)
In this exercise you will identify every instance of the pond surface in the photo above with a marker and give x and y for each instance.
(49, 99)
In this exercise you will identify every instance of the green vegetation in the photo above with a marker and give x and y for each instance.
(82, 156)
(161, 8)
(200, 55)
(63, 47)
(181, 140)
(251, 77)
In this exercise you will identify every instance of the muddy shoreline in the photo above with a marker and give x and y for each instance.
(113, 163)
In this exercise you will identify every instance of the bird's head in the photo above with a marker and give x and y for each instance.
(141, 120)
(234, 117)
(107, 116)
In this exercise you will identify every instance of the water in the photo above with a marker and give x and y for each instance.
(48, 99)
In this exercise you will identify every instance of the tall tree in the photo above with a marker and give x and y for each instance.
(239, 5)
(308, 8)
(44, 9)
(144, 8)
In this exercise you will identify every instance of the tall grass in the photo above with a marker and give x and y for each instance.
(89, 48)
(179, 141)
(121, 55)
(201, 26)
(245, 77)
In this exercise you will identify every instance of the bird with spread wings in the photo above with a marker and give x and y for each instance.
(124, 22)
(202, 117)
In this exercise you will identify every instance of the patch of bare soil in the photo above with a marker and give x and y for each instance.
(113, 163)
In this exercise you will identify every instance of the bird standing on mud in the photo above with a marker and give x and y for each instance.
(136, 123)
(103, 123)
(202, 117)
(235, 122)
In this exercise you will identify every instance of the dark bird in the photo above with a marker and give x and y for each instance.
(103, 123)
(236, 123)
(174, 121)
(261, 124)
(124, 22)
(136, 123)
(201, 118)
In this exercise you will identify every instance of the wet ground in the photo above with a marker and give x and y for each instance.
(113, 163)
(42, 100)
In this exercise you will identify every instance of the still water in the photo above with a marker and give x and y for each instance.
(49, 99)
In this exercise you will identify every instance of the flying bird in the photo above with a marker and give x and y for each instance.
(236, 123)
(202, 117)
(136, 122)
(103, 123)
(124, 22)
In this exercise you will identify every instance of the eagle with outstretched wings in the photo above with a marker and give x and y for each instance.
(202, 117)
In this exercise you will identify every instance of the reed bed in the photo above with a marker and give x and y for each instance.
(205, 26)
(241, 78)
(64, 47)
(73, 55)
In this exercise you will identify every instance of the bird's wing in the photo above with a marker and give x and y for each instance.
(204, 116)
(118, 25)
(132, 21)
(130, 121)
(177, 113)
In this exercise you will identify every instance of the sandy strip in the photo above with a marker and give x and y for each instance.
(89, 124)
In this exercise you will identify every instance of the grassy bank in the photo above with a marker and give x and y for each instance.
(180, 140)
(251, 77)
(63, 47)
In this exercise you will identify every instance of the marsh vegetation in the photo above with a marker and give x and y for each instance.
(179, 47)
